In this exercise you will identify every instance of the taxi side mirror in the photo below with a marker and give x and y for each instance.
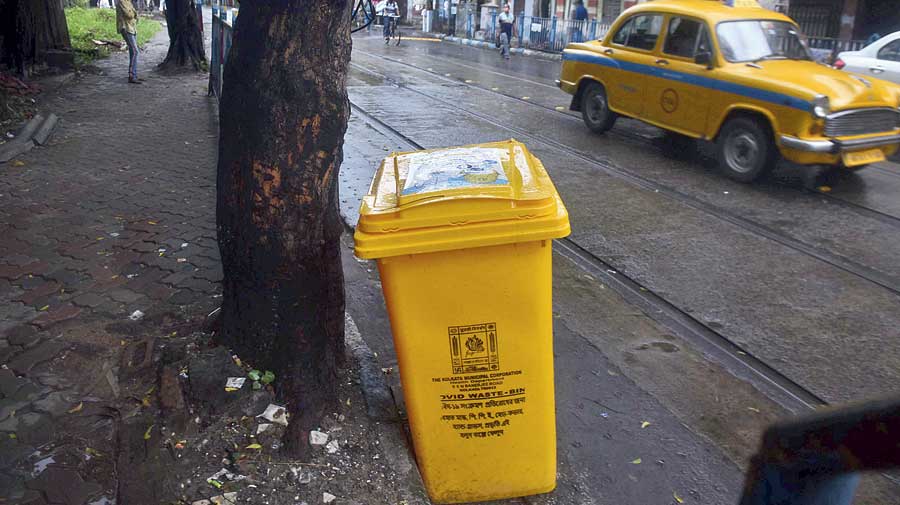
(704, 58)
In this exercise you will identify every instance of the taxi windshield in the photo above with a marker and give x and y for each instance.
(756, 40)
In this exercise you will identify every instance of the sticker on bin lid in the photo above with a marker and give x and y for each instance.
(462, 168)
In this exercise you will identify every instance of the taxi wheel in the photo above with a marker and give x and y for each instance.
(745, 149)
(595, 108)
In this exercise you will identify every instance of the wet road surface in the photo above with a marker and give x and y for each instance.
(799, 280)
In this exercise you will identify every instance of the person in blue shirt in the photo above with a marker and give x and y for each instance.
(580, 15)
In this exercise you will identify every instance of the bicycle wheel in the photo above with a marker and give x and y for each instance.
(397, 30)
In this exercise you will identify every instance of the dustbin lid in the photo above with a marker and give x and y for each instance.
(458, 197)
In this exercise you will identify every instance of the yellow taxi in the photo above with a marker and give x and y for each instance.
(741, 76)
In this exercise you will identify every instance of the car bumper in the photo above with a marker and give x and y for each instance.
(838, 146)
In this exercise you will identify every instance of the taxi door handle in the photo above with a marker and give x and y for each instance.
(876, 70)
(662, 62)
(608, 51)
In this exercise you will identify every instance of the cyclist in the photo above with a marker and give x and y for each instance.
(391, 14)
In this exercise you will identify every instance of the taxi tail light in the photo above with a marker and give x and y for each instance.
(839, 64)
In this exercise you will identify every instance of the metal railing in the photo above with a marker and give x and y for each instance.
(542, 34)
(222, 29)
(826, 49)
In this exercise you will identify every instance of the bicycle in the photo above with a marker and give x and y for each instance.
(368, 15)
(393, 30)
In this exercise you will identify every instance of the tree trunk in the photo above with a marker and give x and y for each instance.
(31, 28)
(183, 21)
(284, 111)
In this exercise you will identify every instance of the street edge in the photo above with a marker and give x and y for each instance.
(380, 407)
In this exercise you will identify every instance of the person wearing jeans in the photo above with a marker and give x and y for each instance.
(126, 24)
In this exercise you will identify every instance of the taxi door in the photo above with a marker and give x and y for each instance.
(677, 98)
(631, 48)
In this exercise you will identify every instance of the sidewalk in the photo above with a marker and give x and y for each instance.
(110, 391)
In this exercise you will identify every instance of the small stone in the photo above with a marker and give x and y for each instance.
(332, 447)
(328, 497)
(136, 315)
(317, 438)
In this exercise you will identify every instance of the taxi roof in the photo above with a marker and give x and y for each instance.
(713, 11)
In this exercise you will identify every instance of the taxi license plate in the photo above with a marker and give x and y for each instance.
(856, 158)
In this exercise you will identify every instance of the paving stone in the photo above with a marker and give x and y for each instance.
(184, 297)
(64, 486)
(123, 295)
(55, 404)
(28, 392)
(43, 352)
(160, 292)
(9, 406)
(39, 291)
(89, 299)
(56, 314)
(70, 278)
(24, 335)
(19, 260)
(9, 352)
(10, 272)
(9, 383)
(29, 497)
(13, 450)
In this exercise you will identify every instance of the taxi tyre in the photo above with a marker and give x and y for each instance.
(595, 111)
(745, 149)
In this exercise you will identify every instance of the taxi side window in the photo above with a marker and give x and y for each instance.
(681, 39)
(890, 52)
(621, 36)
(639, 32)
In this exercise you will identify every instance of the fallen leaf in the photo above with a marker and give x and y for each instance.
(254, 375)
(45, 307)
(76, 408)
(93, 452)
(526, 98)
(753, 409)
(645, 424)
(677, 498)
(148, 433)
(560, 108)
(268, 377)
(18, 163)
(13, 436)
(151, 222)
(824, 189)
(636, 461)
(253, 446)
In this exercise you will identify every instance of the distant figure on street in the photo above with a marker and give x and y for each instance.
(507, 27)
(126, 24)
(580, 15)
(391, 14)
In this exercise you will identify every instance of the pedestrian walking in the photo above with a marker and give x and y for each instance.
(580, 15)
(507, 27)
(126, 24)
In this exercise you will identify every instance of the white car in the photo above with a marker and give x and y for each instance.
(879, 59)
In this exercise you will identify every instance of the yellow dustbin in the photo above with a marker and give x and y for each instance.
(463, 241)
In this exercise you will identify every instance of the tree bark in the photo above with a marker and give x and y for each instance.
(183, 21)
(283, 115)
(31, 28)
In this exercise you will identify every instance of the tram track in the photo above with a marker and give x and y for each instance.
(864, 272)
(859, 209)
(787, 393)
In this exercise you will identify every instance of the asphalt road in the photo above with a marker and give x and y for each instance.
(801, 283)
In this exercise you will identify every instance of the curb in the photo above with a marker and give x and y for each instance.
(381, 408)
(514, 50)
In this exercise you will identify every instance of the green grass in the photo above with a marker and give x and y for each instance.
(87, 25)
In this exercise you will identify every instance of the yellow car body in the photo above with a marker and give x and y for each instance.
(858, 123)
